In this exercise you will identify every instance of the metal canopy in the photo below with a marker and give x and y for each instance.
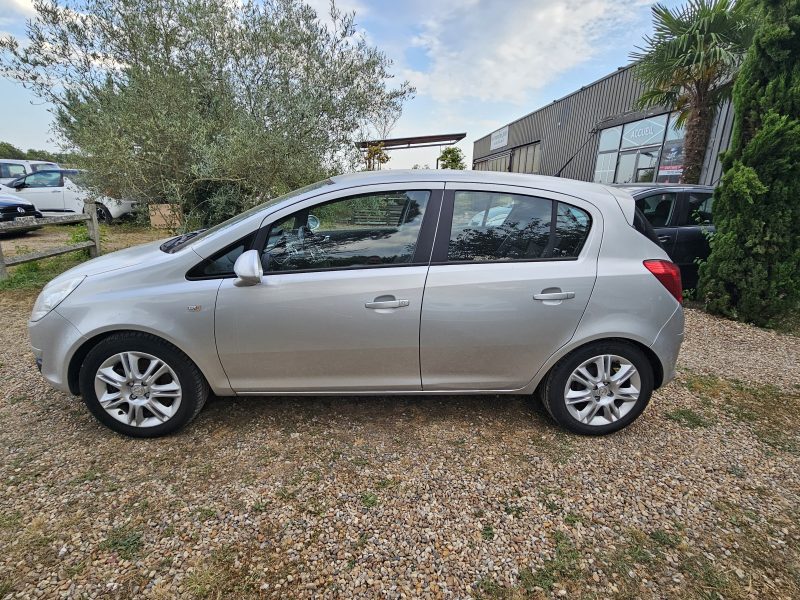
(420, 141)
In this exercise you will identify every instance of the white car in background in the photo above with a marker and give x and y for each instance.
(12, 168)
(58, 192)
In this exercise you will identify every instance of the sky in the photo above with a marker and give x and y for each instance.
(476, 64)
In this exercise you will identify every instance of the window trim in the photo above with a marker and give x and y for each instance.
(442, 242)
(424, 246)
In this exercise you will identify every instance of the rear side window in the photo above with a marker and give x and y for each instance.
(658, 208)
(700, 205)
(495, 226)
(11, 170)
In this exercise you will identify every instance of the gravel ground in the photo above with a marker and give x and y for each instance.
(113, 237)
(412, 497)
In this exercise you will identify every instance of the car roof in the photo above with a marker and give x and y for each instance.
(571, 187)
(637, 188)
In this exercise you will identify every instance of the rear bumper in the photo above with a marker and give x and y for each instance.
(667, 344)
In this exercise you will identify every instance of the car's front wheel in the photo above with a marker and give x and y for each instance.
(599, 388)
(141, 386)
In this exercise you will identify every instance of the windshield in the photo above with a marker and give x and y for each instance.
(178, 242)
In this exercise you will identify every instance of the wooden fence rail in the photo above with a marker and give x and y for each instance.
(93, 244)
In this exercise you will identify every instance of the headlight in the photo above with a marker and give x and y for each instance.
(53, 294)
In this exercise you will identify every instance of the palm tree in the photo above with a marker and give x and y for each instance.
(689, 65)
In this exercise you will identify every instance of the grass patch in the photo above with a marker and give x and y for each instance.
(664, 538)
(563, 565)
(123, 541)
(688, 418)
(772, 413)
(10, 520)
(34, 275)
(369, 499)
(223, 576)
(6, 587)
(572, 519)
(487, 532)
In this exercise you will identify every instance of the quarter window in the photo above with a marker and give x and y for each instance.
(494, 226)
(657, 208)
(369, 230)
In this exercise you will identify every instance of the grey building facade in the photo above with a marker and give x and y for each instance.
(596, 134)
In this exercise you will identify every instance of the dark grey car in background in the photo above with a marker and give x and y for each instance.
(681, 216)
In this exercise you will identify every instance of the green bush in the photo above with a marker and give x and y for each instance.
(753, 272)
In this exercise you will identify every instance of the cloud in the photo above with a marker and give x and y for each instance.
(17, 7)
(485, 50)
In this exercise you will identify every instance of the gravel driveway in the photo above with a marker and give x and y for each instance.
(405, 497)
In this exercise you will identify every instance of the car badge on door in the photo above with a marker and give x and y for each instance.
(20, 209)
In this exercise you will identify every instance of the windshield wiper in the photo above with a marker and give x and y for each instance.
(173, 243)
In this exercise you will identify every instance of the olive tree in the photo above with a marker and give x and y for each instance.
(210, 105)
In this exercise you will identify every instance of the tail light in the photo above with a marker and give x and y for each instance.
(668, 274)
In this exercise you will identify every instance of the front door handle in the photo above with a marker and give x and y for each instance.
(554, 296)
(393, 303)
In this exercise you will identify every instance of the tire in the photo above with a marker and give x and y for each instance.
(126, 409)
(103, 214)
(612, 404)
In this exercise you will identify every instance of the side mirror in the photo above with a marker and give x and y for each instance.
(248, 269)
(18, 185)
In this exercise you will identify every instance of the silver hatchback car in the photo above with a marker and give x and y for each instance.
(392, 282)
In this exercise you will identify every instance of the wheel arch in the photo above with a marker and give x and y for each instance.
(652, 358)
(75, 362)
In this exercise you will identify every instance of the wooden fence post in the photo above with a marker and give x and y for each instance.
(3, 273)
(94, 229)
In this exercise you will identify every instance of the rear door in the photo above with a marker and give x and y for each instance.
(511, 274)
(695, 225)
(45, 189)
(661, 210)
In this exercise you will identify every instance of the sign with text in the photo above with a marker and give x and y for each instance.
(644, 132)
(499, 138)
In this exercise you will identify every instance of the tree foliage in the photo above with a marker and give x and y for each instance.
(208, 104)
(689, 64)
(753, 272)
(452, 158)
(9, 150)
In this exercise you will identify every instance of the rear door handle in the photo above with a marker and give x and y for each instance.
(386, 304)
(554, 296)
(664, 238)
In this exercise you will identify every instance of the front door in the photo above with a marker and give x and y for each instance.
(44, 189)
(339, 305)
(510, 278)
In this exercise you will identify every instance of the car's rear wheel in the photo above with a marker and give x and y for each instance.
(141, 386)
(599, 388)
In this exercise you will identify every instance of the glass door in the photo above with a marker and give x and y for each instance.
(637, 166)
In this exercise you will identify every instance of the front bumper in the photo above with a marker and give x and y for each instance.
(667, 344)
(53, 341)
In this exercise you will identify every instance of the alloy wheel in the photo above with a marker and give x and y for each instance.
(602, 390)
(138, 389)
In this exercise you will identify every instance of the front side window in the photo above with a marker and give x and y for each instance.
(44, 179)
(700, 205)
(495, 226)
(360, 231)
(657, 208)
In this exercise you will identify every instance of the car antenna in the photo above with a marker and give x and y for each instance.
(592, 132)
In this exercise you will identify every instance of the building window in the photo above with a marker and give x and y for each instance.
(642, 151)
(525, 159)
(496, 163)
(671, 167)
